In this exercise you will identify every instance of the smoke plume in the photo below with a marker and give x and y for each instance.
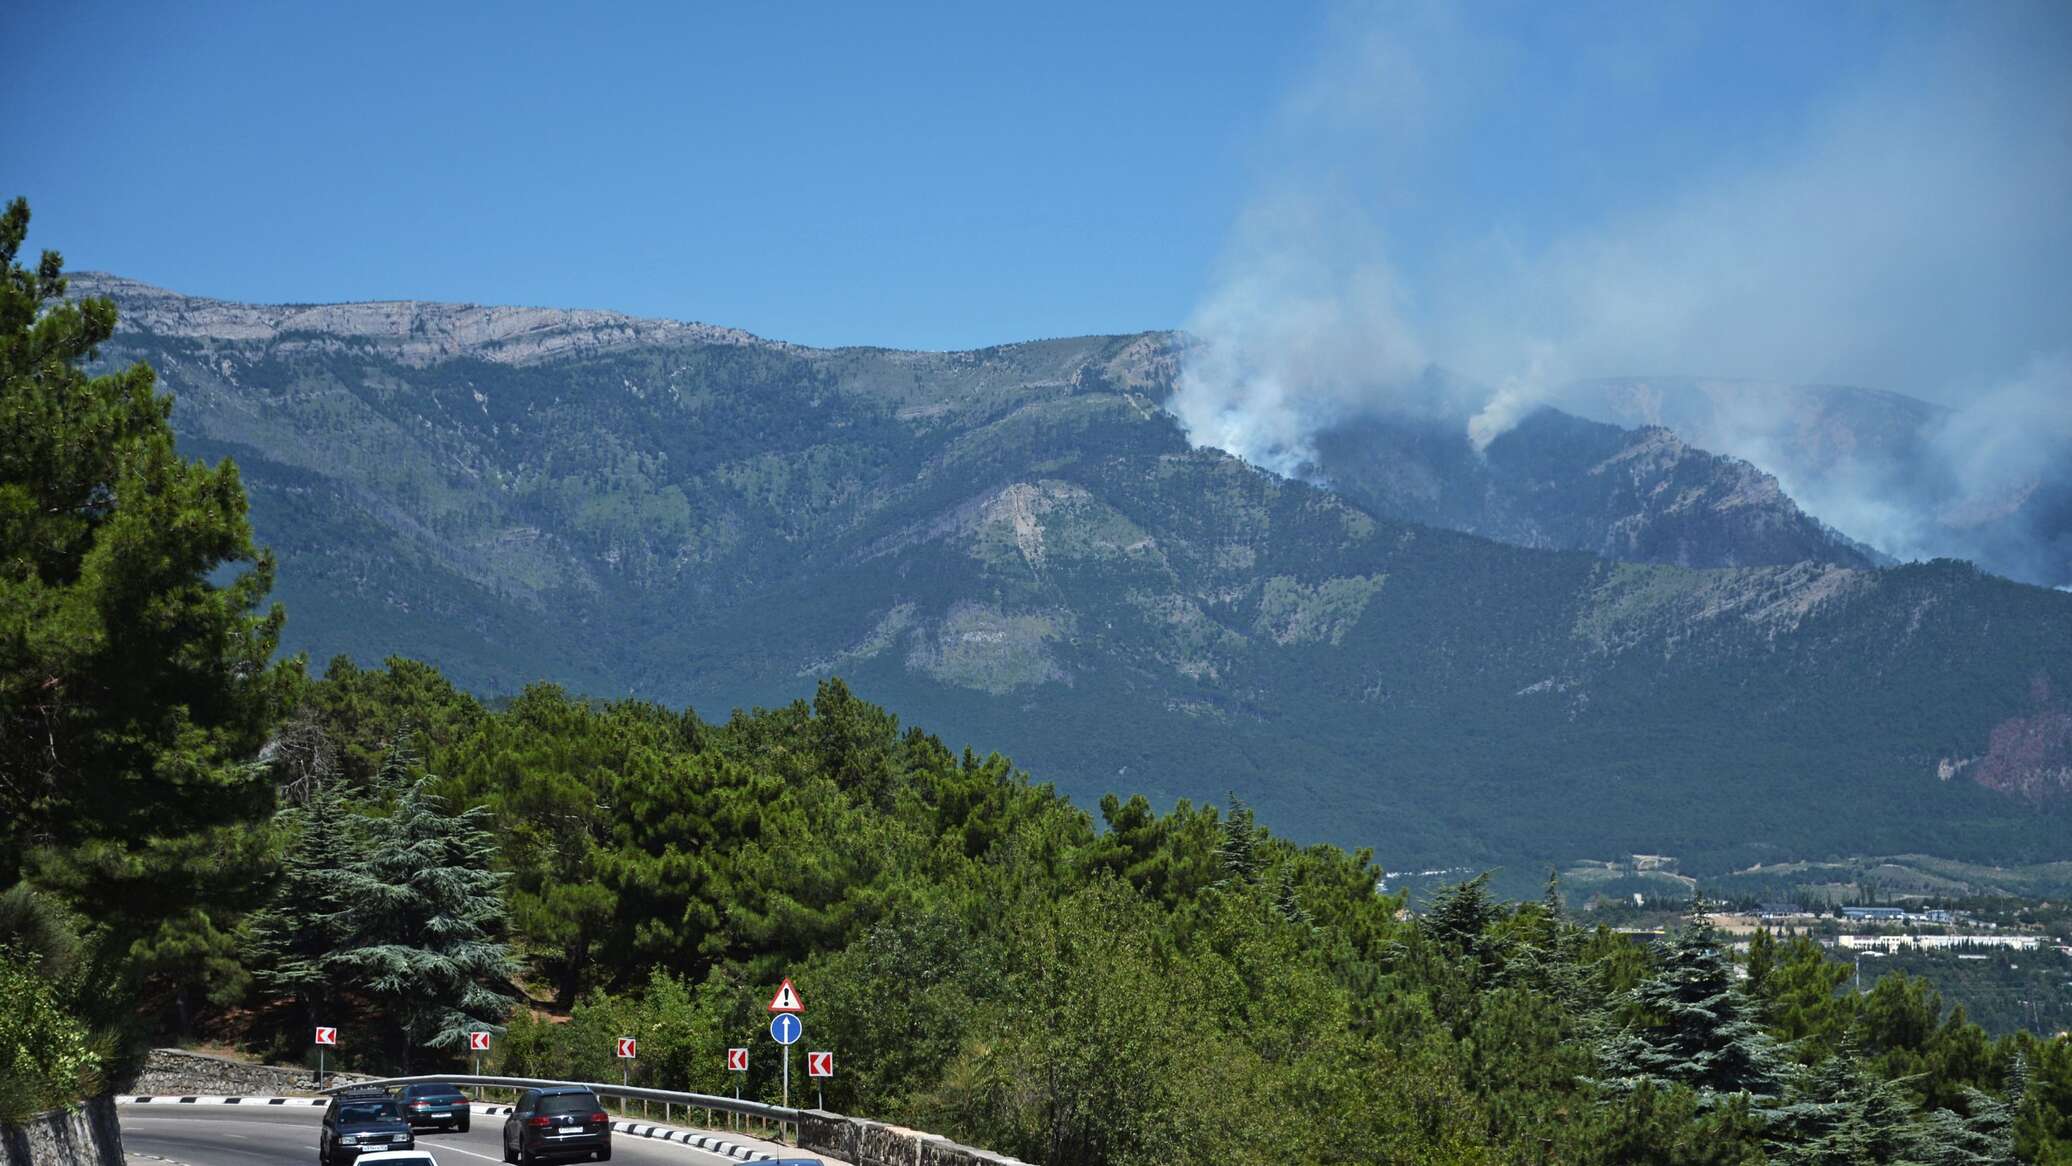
(1901, 228)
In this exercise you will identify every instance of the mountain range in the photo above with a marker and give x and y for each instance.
(1584, 640)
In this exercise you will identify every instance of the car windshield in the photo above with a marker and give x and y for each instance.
(367, 1111)
(568, 1103)
(413, 1160)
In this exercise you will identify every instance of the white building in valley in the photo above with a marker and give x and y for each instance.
(1937, 942)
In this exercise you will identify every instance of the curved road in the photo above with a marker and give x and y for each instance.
(231, 1135)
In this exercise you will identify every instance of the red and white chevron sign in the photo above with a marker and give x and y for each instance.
(737, 1060)
(820, 1064)
(626, 1047)
(478, 1041)
(327, 1036)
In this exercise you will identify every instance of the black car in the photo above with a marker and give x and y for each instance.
(564, 1121)
(433, 1104)
(360, 1123)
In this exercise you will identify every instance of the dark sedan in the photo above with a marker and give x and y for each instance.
(562, 1122)
(357, 1125)
(434, 1104)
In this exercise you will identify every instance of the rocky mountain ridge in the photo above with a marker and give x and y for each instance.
(1018, 546)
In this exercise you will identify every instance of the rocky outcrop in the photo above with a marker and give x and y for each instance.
(87, 1136)
(2029, 757)
(870, 1143)
(411, 332)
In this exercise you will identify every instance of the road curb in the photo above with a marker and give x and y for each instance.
(203, 1099)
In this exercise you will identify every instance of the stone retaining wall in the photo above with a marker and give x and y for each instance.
(87, 1136)
(177, 1072)
(871, 1143)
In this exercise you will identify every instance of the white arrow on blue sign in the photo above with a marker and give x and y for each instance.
(786, 1029)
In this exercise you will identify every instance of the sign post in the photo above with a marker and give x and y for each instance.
(737, 1062)
(325, 1036)
(819, 1066)
(786, 1026)
(786, 1029)
(626, 1048)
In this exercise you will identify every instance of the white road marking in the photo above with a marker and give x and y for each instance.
(444, 1147)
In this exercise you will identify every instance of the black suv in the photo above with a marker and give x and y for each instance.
(562, 1121)
(433, 1104)
(358, 1123)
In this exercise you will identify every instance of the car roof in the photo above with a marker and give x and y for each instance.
(392, 1155)
(560, 1090)
(428, 1085)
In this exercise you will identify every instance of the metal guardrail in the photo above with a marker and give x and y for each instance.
(768, 1114)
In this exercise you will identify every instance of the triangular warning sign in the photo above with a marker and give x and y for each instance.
(787, 999)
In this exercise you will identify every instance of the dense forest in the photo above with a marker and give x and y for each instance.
(200, 841)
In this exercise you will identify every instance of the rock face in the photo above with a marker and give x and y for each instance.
(408, 331)
(87, 1136)
(180, 1073)
(1914, 477)
(2030, 756)
(1556, 481)
(1017, 548)
(869, 1143)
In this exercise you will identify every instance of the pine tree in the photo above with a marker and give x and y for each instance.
(1692, 1025)
(420, 929)
(135, 673)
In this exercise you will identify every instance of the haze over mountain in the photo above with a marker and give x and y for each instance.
(1018, 546)
(1904, 230)
(1912, 478)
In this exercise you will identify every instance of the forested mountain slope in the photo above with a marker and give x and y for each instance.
(1017, 546)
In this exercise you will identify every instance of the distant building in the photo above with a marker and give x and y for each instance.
(1937, 942)
(1880, 914)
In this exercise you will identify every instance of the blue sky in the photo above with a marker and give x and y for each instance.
(954, 175)
(945, 175)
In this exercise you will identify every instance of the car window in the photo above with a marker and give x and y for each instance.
(571, 1103)
(367, 1111)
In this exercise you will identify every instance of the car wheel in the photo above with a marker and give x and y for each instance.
(527, 1157)
(510, 1155)
(461, 1126)
(604, 1155)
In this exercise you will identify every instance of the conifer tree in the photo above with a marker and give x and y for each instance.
(1984, 1136)
(135, 675)
(420, 931)
(1840, 1115)
(1692, 1025)
(1237, 852)
(289, 940)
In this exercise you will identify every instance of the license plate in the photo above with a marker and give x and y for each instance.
(438, 1113)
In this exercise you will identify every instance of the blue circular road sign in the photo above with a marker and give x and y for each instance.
(786, 1029)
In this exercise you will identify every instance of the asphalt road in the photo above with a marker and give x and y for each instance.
(225, 1135)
